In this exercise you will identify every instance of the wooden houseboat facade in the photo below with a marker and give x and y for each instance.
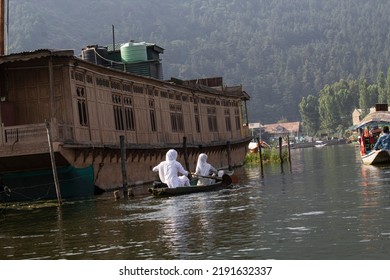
(62, 118)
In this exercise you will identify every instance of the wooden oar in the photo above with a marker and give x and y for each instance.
(208, 177)
(226, 179)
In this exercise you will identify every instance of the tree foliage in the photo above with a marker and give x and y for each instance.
(308, 109)
(337, 102)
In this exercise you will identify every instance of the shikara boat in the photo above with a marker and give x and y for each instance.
(377, 157)
(369, 129)
(161, 189)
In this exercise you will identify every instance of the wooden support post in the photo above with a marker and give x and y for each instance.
(281, 153)
(289, 152)
(229, 155)
(2, 25)
(261, 157)
(187, 163)
(123, 164)
(53, 164)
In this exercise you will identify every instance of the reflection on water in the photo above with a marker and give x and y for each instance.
(329, 206)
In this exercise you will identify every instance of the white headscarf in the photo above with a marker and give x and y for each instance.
(171, 155)
(202, 167)
(171, 170)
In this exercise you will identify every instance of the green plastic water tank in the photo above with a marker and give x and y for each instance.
(132, 52)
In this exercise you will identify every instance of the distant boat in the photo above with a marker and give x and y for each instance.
(253, 146)
(319, 144)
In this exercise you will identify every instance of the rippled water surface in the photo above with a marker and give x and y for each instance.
(329, 206)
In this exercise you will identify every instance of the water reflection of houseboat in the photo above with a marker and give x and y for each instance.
(86, 104)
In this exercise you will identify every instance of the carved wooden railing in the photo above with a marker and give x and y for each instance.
(31, 133)
(34, 133)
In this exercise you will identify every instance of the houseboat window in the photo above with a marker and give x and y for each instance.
(79, 77)
(82, 106)
(177, 122)
(138, 89)
(129, 113)
(89, 79)
(152, 113)
(102, 82)
(118, 114)
(127, 87)
(115, 85)
(227, 120)
(237, 117)
(212, 119)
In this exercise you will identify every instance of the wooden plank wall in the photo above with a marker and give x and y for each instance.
(29, 90)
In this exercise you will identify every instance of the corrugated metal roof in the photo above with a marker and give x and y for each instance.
(26, 56)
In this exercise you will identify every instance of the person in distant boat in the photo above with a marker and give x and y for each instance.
(204, 168)
(169, 169)
(383, 142)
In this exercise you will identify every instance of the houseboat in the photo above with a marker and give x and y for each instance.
(72, 124)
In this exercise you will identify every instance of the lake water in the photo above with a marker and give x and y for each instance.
(329, 206)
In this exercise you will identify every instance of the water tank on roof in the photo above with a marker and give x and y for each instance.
(88, 54)
(95, 54)
(133, 52)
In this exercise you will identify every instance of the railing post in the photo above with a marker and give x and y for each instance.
(2, 134)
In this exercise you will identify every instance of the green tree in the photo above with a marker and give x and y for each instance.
(387, 86)
(308, 109)
(382, 97)
(363, 96)
(328, 110)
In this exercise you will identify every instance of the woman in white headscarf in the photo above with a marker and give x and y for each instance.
(171, 168)
(160, 169)
(203, 168)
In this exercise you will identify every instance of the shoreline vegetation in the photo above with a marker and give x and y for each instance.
(272, 155)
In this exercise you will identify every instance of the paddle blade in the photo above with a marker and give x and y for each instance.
(234, 179)
(226, 179)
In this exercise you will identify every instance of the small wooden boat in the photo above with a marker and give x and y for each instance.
(161, 189)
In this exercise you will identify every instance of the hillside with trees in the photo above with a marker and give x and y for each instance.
(288, 54)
